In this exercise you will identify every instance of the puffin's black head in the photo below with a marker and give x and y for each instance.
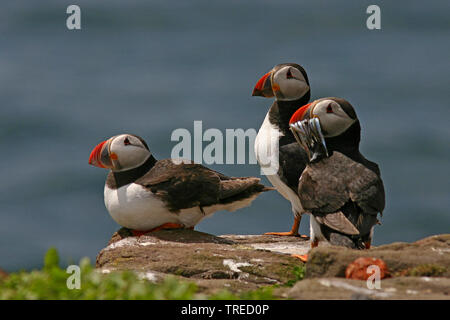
(326, 125)
(286, 81)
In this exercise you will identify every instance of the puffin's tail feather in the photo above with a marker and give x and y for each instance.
(240, 188)
(342, 240)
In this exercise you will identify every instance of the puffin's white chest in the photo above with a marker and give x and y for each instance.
(266, 147)
(267, 153)
(132, 206)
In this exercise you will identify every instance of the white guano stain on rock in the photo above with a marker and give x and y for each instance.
(150, 276)
(346, 286)
(234, 266)
(146, 243)
(271, 280)
(283, 247)
(412, 291)
(127, 242)
(429, 279)
(440, 251)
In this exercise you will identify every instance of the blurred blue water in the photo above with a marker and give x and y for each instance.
(148, 68)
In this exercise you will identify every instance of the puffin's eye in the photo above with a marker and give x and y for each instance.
(126, 141)
(289, 74)
(329, 109)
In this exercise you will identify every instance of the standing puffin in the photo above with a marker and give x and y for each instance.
(340, 188)
(145, 195)
(276, 150)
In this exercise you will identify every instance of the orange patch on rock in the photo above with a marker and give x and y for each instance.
(358, 268)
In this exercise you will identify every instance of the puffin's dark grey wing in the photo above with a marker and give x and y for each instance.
(320, 190)
(182, 185)
(342, 194)
(292, 162)
(187, 185)
(367, 191)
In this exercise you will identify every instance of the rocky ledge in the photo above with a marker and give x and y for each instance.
(237, 263)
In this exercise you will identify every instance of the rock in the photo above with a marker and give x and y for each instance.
(418, 270)
(391, 289)
(233, 262)
(426, 257)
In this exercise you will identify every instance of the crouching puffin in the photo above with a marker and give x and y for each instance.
(145, 195)
(276, 150)
(340, 188)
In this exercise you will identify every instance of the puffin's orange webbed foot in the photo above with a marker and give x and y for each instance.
(288, 234)
(169, 225)
(302, 257)
(292, 233)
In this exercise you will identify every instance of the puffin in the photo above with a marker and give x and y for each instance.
(276, 150)
(340, 188)
(145, 195)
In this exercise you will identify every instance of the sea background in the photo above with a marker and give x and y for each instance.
(149, 67)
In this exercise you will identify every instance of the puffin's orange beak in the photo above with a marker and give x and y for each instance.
(100, 156)
(299, 114)
(263, 87)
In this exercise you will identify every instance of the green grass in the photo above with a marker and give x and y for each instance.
(299, 274)
(424, 270)
(51, 283)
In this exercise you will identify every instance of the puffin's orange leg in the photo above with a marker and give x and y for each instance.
(304, 257)
(168, 225)
(292, 233)
(367, 244)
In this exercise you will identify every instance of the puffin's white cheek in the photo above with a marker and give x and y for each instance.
(133, 157)
(333, 125)
(292, 89)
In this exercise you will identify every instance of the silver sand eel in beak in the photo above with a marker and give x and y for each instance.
(309, 135)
